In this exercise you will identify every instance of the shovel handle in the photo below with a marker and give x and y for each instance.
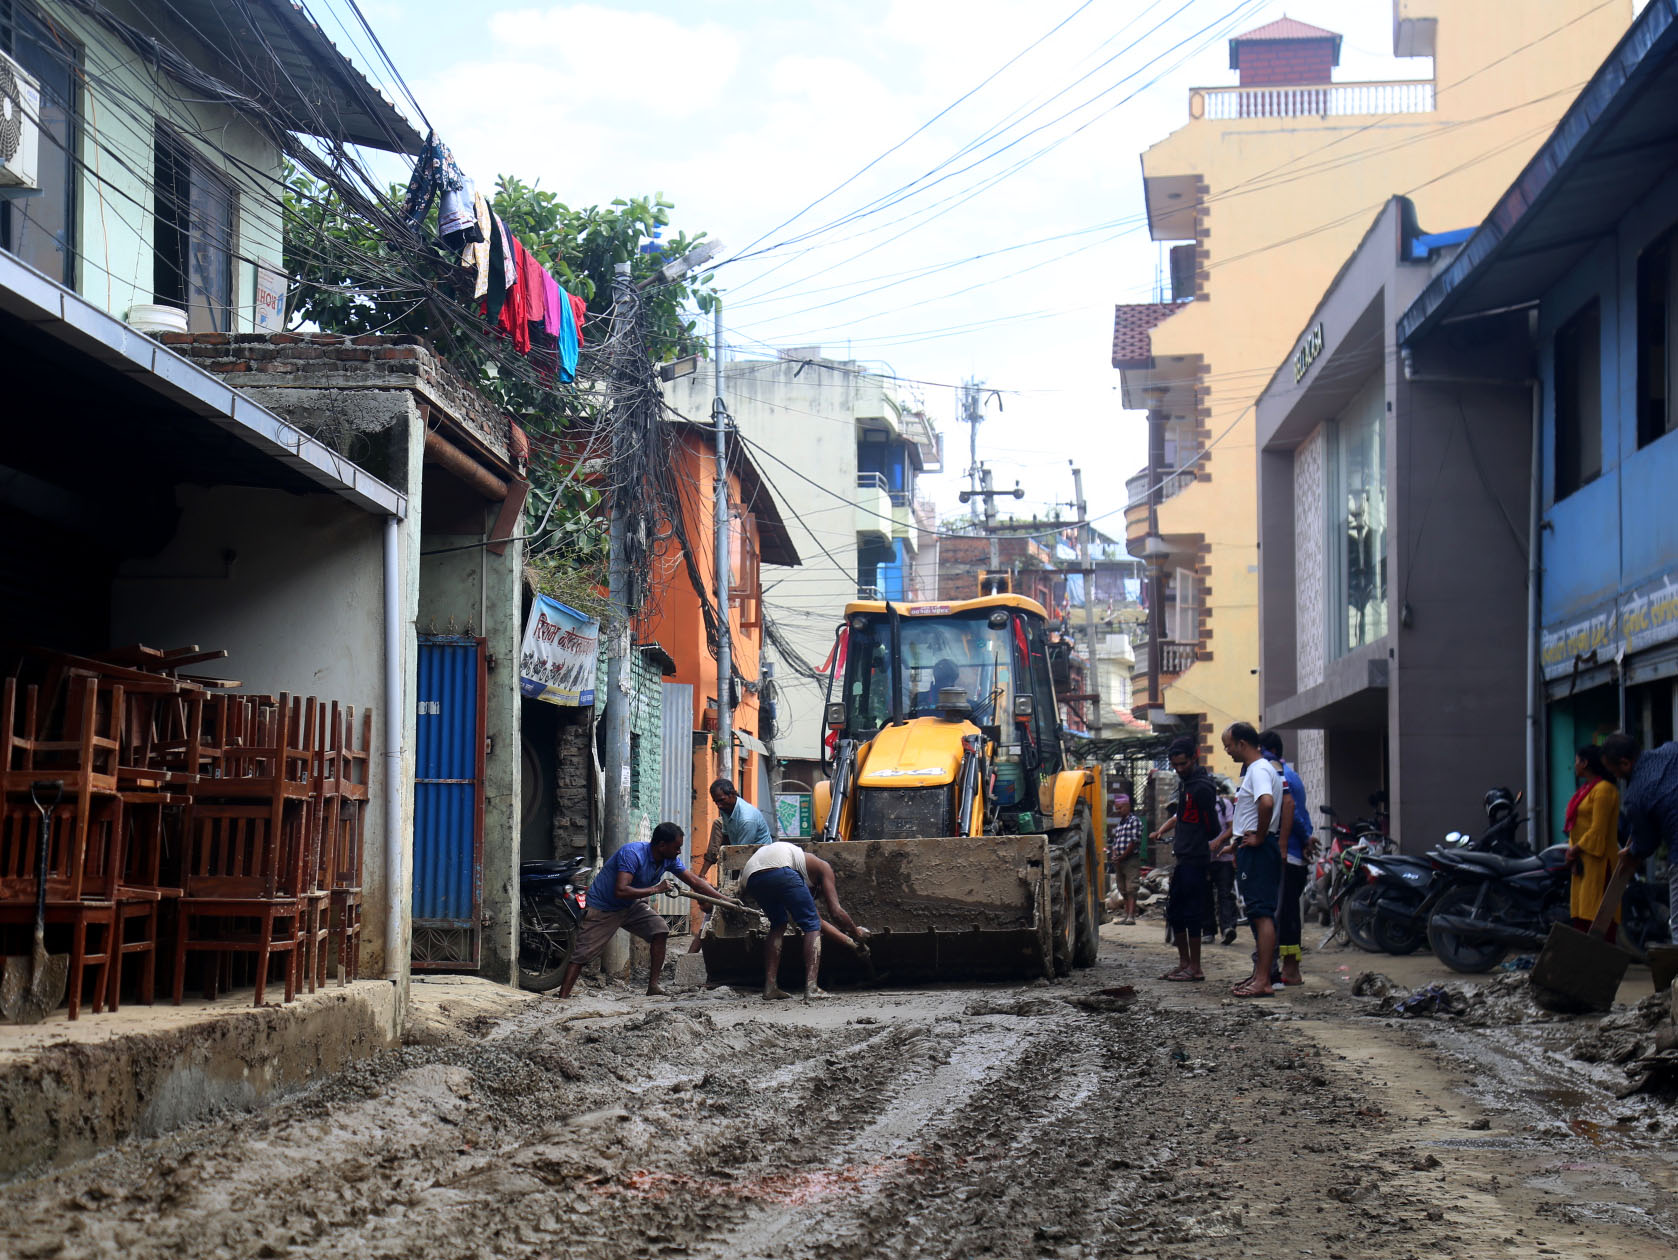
(1611, 896)
(36, 790)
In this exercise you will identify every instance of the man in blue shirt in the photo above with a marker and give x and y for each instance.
(1648, 805)
(1295, 828)
(618, 899)
(742, 822)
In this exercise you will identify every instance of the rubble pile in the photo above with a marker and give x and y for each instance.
(1643, 1040)
(1503, 999)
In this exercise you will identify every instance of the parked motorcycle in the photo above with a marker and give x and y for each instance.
(1327, 890)
(1404, 890)
(552, 899)
(1496, 904)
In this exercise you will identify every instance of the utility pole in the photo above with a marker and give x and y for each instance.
(624, 318)
(725, 662)
(971, 415)
(990, 519)
(1092, 667)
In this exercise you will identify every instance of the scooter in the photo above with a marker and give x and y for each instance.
(553, 897)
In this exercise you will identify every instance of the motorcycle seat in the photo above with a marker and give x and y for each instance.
(567, 866)
(1496, 864)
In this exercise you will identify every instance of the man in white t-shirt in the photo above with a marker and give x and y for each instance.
(780, 877)
(1258, 855)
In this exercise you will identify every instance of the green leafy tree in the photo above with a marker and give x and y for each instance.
(357, 270)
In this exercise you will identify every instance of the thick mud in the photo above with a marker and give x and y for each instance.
(1079, 1119)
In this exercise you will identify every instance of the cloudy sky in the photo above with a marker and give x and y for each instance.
(966, 171)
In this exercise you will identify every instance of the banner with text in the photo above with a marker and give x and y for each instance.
(1642, 617)
(561, 647)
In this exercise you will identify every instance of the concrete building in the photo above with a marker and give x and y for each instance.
(1389, 577)
(1560, 307)
(832, 438)
(243, 488)
(1265, 191)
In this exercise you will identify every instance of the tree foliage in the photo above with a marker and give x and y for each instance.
(354, 273)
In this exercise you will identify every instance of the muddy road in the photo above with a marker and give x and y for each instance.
(1042, 1120)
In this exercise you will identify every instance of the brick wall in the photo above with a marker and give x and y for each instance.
(1266, 63)
(328, 360)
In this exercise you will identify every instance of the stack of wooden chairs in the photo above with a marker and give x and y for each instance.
(236, 821)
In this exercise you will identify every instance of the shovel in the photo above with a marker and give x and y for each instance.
(34, 984)
(1580, 967)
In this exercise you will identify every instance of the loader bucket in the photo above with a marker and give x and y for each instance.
(957, 908)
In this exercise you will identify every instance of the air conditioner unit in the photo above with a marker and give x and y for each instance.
(20, 128)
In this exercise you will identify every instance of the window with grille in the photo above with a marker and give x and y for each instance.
(192, 247)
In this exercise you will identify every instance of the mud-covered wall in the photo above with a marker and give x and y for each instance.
(68, 1099)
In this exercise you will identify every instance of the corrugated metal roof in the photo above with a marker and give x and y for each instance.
(272, 51)
(1616, 141)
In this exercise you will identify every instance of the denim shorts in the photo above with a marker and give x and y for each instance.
(783, 894)
(1258, 873)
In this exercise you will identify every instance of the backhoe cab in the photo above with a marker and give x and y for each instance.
(957, 828)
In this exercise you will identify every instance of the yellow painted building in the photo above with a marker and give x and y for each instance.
(1265, 191)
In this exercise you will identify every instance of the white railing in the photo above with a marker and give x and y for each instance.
(872, 481)
(1175, 483)
(869, 592)
(1327, 100)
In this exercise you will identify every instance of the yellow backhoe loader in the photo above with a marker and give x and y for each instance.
(957, 828)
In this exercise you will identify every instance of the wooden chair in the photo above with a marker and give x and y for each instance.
(349, 835)
(248, 843)
(85, 829)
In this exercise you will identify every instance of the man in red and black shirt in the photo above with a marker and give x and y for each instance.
(1192, 831)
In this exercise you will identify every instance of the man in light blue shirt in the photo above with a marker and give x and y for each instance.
(742, 822)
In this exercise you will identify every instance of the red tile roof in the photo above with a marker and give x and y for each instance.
(1132, 345)
(1283, 28)
(1286, 28)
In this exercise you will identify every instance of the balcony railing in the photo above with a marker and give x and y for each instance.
(1174, 484)
(869, 592)
(872, 481)
(1175, 658)
(1328, 100)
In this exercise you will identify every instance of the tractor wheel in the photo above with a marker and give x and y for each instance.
(1087, 942)
(1063, 908)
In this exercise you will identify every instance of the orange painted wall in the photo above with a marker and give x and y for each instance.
(671, 618)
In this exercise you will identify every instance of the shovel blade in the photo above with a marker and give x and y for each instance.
(1580, 968)
(33, 985)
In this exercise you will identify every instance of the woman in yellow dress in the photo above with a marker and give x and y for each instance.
(1593, 836)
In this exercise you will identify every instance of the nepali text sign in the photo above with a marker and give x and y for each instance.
(1643, 617)
(557, 662)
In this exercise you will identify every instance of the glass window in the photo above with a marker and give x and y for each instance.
(1578, 400)
(192, 265)
(41, 228)
(940, 652)
(1655, 414)
(1358, 472)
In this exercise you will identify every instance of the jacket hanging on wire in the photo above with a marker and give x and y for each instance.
(434, 172)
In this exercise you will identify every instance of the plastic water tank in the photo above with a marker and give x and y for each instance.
(155, 317)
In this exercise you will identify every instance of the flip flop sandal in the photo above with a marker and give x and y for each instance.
(1242, 991)
(1176, 979)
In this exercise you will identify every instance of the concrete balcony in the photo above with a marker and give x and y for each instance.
(875, 522)
(1325, 100)
(1136, 504)
(1175, 659)
(903, 524)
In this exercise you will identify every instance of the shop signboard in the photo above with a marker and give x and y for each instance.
(1641, 618)
(557, 661)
